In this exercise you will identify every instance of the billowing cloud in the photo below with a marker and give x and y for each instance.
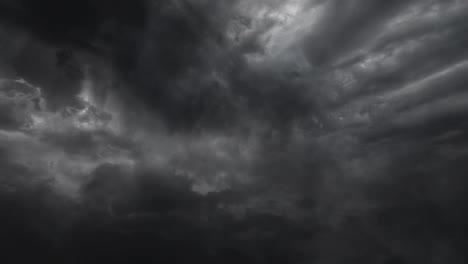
(299, 131)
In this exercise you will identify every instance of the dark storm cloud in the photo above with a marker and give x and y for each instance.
(348, 24)
(236, 131)
(143, 218)
(137, 39)
(206, 83)
(48, 39)
(73, 22)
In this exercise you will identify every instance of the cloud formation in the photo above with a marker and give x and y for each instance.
(299, 131)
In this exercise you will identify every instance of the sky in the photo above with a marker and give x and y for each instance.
(233, 131)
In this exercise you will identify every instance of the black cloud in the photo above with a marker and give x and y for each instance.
(236, 131)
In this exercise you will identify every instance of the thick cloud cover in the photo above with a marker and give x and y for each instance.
(246, 131)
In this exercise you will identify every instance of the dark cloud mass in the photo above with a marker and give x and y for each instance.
(233, 131)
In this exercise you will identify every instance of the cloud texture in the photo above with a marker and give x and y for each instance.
(196, 131)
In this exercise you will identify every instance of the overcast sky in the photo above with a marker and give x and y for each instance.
(233, 131)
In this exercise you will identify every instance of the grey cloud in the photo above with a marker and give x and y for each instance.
(236, 131)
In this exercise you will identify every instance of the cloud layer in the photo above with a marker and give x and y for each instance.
(299, 131)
